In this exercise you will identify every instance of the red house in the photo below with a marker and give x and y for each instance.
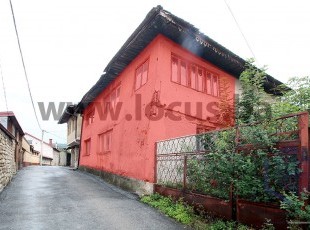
(165, 81)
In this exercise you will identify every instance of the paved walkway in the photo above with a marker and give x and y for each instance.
(60, 198)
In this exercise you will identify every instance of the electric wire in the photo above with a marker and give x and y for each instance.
(239, 27)
(62, 138)
(4, 91)
(24, 67)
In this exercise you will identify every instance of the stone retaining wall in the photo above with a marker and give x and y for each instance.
(7, 163)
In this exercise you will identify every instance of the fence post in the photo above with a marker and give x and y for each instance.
(232, 194)
(184, 171)
(303, 156)
(155, 166)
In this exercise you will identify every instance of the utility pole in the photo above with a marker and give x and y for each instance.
(41, 155)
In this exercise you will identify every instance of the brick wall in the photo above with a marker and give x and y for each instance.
(7, 163)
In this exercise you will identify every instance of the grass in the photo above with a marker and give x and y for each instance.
(185, 214)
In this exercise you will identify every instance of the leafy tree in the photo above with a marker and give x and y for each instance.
(226, 116)
(294, 100)
(249, 162)
(252, 105)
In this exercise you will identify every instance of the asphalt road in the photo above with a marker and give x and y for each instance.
(60, 198)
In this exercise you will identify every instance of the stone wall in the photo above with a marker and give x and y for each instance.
(7, 163)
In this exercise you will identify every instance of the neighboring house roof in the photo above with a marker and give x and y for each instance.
(69, 111)
(45, 154)
(30, 141)
(74, 144)
(14, 120)
(159, 21)
(55, 149)
(60, 146)
(6, 131)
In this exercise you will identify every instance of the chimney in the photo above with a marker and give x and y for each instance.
(51, 142)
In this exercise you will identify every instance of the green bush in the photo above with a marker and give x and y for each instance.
(185, 214)
(297, 208)
(258, 171)
(177, 210)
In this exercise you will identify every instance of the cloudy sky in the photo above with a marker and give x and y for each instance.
(67, 43)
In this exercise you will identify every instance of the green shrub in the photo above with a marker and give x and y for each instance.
(185, 214)
(297, 208)
(177, 210)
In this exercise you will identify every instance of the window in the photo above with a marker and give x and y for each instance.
(87, 147)
(215, 86)
(201, 79)
(179, 73)
(112, 99)
(174, 69)
(197, 78)
(90, 117)
(212, 85)
(141, 75)
(105, 141)
(183, 73)
(209, 86)
(4, 121)
(193, 76)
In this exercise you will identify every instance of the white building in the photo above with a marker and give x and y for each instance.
(47, 155)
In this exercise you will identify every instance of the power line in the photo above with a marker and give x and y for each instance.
(56, 135)
(246, 41)
(24, 67)
(3, 86)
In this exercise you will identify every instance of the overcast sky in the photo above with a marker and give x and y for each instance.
(67, 43)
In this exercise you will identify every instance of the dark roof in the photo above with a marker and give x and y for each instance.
(6, 132)
(14, 120)
(69, 111)
(160, 21)
(57, 150)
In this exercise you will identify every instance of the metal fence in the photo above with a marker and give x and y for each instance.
(219, 162)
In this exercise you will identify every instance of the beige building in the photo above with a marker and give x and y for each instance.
(9, 122)
(74, 123)
(31, 156)
(47, 154)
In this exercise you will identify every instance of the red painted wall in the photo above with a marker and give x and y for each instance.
(132, 151)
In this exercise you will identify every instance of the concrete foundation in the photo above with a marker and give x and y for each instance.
(130, 184)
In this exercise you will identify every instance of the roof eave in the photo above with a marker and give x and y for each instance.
(69, 112)
(159, 21)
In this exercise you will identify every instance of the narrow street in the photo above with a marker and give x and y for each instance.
(60, 198)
